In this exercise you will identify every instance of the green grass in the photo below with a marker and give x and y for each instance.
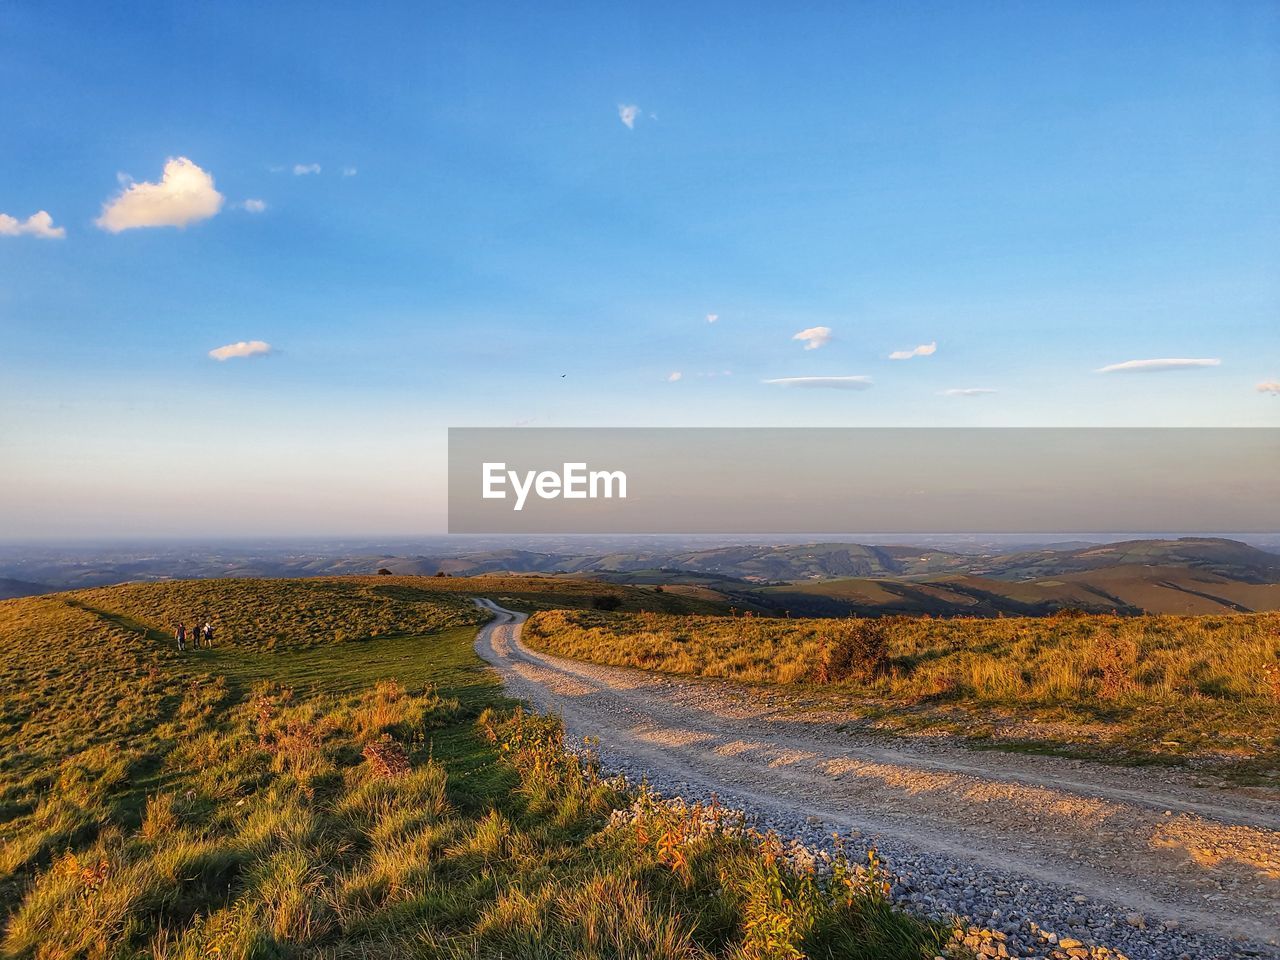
(369, 796)
(1138, 689)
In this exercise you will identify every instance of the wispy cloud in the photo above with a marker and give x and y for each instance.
(823, 383)
(245, 348)
(349, 171)
(627, 113)
(253, 206)
(1154, 366)
(674, 375)
(924, 350)
(303, 169)
(1269, 386)
(185, 194)
(968, 392)
(712, 317)
(814, 337)
(39, 224)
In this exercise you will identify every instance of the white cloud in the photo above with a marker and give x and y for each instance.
(245, 348)
(823, 383)
(674, 375)
(924, 350)
(1152, 366)
(39, 224)
(712, 317)
(968, 392)
(254, 206)
(1270, 386)
(814, 337)
(302, 169)
(185, 194)
(349, 171)
(627, 113)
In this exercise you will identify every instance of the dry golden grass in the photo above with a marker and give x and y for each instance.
(285, 612)
(324, 799)
(1191, 683)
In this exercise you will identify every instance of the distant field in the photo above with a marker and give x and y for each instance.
(533, 592)
(1129, 588)
(345, 779)
(1149, 686)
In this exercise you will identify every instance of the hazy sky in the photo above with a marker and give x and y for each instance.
(402, 218)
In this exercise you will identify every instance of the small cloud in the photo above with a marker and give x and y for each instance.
(674, 375)
(712, 317)
(814, 337)
(349, 171)
(1153, 366)
(245, 348)
(185, 194)
(627, 113)
(1270, 386)
(968, 392)
(924, 350)
(253, 206)
(39, 224)
(302, 169)
(823, 383)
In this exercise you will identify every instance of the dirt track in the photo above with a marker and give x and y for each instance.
(1150, 842)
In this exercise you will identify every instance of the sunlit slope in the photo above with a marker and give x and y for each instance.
(291, 793)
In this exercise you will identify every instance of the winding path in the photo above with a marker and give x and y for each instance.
(1136, 840)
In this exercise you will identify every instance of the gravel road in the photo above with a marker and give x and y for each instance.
(1043, 851)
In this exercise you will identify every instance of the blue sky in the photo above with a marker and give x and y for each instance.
(1039, 190)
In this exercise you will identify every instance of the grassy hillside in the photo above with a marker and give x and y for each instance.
(1158, 686)
(310, 797)
(301, 613)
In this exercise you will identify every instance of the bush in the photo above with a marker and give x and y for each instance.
(606, 602)
(853, 650)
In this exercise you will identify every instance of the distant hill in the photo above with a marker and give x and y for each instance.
(9, 588)
(1189, 574)
(1229, 558)
(1125, 589)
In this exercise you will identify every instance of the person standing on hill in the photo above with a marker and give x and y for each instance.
(208, 633)
(182, 637)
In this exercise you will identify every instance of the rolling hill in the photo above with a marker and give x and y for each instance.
(1185, 575)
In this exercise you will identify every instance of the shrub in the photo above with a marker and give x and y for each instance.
(1115, 659)
(853, 650)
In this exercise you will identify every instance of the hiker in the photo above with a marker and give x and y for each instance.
(182, 637)
(208, 634)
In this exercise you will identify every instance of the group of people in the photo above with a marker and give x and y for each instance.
(197, 635)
